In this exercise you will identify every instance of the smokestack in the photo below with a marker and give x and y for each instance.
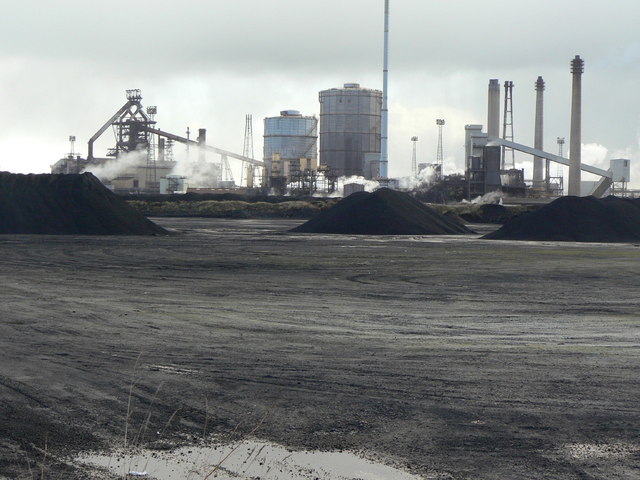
(384, 140)
(493, 111)
(575, 143)
(202, 141)
(538, 164)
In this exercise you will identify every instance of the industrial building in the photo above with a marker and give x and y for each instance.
(350, 130)
(486, 160)
(149, 154)
(290, 147)
(349, 134)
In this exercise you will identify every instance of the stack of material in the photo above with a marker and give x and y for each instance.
(383, 212)
(488, 213)
(66, 205)
(577, 219)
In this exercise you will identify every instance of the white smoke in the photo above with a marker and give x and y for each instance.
(595, 154)
(199, 170)
(197, 167)
(126, 164)
(420, 180)
(369, 185)
(488, 198)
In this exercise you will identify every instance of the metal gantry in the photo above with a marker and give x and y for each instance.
(247, 151)
(135, 131)
(507, 125)
(151, 171)
(127, 121)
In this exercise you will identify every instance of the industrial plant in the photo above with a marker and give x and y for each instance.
(490, 164)
(352, 135)
(149, 154)
(349, 135)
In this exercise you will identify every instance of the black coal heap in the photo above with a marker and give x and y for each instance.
(577, 219)
(66, 205)
(383, 212)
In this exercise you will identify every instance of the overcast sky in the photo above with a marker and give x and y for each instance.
(65, 66)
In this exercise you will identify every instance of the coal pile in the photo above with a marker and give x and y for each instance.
(383, 212)
(576, 219)
(488, 213)
(66, 205)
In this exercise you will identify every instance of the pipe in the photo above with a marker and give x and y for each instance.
(384, 138)
(187, 141)
(575, 146)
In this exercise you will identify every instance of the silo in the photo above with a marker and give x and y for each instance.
(288, 139)
(350, 130)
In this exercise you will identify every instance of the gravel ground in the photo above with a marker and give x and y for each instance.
(452, 357)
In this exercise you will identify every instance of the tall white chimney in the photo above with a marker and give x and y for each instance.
(384, 137)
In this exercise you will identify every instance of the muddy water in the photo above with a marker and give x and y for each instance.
(245, 460)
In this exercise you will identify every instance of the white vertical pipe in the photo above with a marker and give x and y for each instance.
(384, 140)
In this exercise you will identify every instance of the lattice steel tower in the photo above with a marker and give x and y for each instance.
(507, 125)
(247, 150)
(151, 171)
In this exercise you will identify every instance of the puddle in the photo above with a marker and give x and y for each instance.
(245, 460)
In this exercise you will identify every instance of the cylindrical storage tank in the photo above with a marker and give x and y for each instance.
(291, 136)
(350, 128)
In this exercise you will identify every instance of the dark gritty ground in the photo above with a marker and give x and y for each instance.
(454, 357)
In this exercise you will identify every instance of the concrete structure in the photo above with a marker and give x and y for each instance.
(290, 140)
(575, 142)
(70, 164)
(493, 111)
(538, 165)
(350, 128)
(439, 152)
(482, 162)
(371, 165)
(135, 178)
(414, 156)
